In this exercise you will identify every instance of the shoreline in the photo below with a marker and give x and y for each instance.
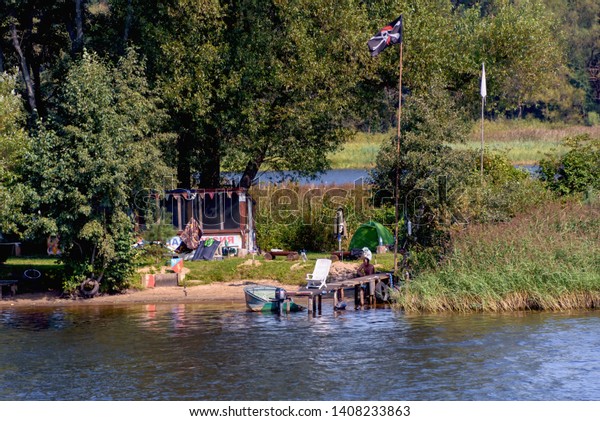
(214, 293)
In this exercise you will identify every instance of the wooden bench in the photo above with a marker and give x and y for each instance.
(290, 255)
(11, 283)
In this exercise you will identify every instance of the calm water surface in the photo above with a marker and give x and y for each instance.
(195, 352)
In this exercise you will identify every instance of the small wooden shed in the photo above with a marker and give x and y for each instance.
(225, 214)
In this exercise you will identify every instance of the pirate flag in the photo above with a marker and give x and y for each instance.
(388, 35)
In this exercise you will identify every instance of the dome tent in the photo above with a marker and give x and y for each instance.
(370, 235)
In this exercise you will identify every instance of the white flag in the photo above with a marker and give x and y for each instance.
(483, 87)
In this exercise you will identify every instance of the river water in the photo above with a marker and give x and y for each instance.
(342, 176)
(198, 352)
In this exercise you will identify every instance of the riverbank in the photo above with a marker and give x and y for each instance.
(200, 287)
(218, 292)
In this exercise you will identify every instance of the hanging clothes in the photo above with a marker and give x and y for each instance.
(191, 234)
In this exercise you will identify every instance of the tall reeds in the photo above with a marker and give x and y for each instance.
(548, 259)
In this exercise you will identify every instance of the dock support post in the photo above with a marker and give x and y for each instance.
(320, 303)
(310, 304)
(314, 306)
(372, 291)
(356, 296)
(335, 298)
(362, 296)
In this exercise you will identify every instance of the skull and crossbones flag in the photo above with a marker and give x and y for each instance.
(388, 35)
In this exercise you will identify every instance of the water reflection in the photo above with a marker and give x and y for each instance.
(181, 352)
(34, 320)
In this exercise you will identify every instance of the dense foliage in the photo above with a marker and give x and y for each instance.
(577, 171)
(280, 83)
(90, 161)
(293, 217)
(13, 144)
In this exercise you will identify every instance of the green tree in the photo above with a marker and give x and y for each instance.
(13, 145)
(580, 21)
(252, 84)
(91, 161)
(183, 41)
(37, 37)
(432, 175)
(445, 44)
(298, 64)
(522, 46)
(578, 170)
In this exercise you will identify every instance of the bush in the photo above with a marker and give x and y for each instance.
(294, 217)
(506, 191)
(593, 119)
(577, 171)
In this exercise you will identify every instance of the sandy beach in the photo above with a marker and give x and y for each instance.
(231, 292)
(225, 292)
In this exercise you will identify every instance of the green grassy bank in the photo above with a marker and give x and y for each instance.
(525, 142)
(548, 259)
(47, 278)
(291, 273)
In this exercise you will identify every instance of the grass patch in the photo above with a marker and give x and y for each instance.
(360, 152)
(51, 273)
(525, 142)
(236, 268)
(548, 259)
(287, 272)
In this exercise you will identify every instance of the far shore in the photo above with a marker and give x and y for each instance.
(218, 292)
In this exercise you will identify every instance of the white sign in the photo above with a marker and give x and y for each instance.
(232, 240)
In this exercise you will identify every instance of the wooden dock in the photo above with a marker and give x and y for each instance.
(365, 291)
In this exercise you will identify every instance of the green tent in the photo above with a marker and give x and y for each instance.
(371, 234)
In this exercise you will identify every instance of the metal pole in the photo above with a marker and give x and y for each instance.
(481, 166)
(397, 186)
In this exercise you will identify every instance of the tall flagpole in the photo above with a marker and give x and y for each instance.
(397, 186)
(389, 35)
(483, 95)
(481, 163)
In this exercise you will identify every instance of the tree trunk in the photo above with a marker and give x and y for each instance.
(37, 83)
(78, 43)
(210, 173)
(128, 19)
(251, 170)
(24, 69)
(184, 170)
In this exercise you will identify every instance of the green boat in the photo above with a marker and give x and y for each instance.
(261, 298)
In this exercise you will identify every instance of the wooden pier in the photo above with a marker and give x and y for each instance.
(365, 291)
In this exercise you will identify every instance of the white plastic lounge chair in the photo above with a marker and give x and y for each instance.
(318, 279)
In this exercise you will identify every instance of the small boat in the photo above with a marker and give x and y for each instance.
(262, 298)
